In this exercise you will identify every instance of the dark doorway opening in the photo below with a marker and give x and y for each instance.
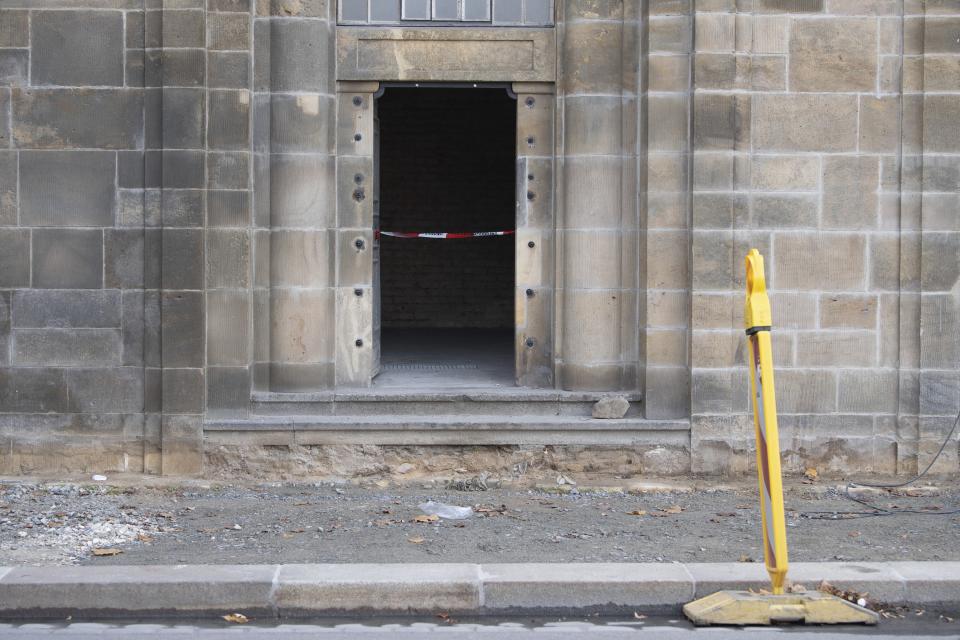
(447, 163)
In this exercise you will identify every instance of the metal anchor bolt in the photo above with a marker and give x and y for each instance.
(357, 101)
(530, 342)
(357, 137)
(358, 293)
(530, 102)
(358, 243)
(531, 244)
(530, 293)
(359, 342)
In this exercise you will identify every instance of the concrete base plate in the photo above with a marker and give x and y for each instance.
(744, 608)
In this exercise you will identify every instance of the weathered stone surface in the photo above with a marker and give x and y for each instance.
(612, 407)
(14, 258)
(183, 329)
(804, 122)
(67, 188)
(14, 69)
(67, 258)
(66, 347)
(89, 118)
(833, 55)
(850, 186)
(77, 48)
(62, 309)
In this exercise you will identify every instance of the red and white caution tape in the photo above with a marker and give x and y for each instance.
(444, 235)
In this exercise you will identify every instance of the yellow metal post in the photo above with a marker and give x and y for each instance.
(758, 320)
(744, 607)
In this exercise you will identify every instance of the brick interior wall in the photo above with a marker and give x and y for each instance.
(447, 164)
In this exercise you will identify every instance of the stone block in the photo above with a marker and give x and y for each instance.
(14, 258)
(67, 258)
(301, 123)
(228, 170)
(14, 67)
(5, 305)
(721, 121)
(183, 329)
(301, 8)
(182, 259)
(174, 68)
(114, 390)
(66, 188)
(718, 391)
(354, 257)
(939, 114)
(712, 258)
(182, 445)
(228, 391)
(789, 6)
(300, 55)
(302, 258)
(880, 124)
(89, 118)
(670, 34)
(183, 118)
(668, 72)
(940, 260)
(804, 122)
(592, 126)
(301, 191)
(14, 28)
(182, 208)
(295, 377)
(227, 258)
(183, 29)
(815, 261)
(66, 347)
(850, 185)
(715, 31)
(8, 184)
(591, 320)
(848, 311)
(299, 325)
(39, 308)
(130, 170)
(546, 586)
(837, 349)
(123, 258)
(868, 391)
(666, 347)
(228, 31)
(183, 390)
(785, 173)
(593, 259)
(27, 390)
(228, 208)
(76, 48)
(133, 327)
(587, 67)
(592, 193)
(227, 328)
(670, 112)
(833, 55)
(303, 589)
(783, 211)
(229, 120)
(667, 263)
(228, 69)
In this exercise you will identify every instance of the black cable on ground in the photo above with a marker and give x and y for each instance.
(878, 511)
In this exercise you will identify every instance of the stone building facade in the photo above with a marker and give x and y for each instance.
(189, 193)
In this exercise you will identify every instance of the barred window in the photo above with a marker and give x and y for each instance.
(526, 13)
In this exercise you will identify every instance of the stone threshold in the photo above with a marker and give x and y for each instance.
(446, 430)
(419, 394)
(289, 591)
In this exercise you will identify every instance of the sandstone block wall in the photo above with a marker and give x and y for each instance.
(178, 231)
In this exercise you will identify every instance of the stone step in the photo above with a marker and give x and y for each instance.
(441, 429)
(404, 402)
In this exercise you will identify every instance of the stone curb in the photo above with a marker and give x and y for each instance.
(280, 591)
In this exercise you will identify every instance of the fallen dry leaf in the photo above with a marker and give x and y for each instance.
(637, 512)
(745, 558)
(107, 552)
(142, 537)
(426, 519)
(639, 616)
(674, 509)
(810, 475)
(417, 540)
(236, 618)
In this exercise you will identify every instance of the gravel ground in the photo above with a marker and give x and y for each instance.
(43, 523)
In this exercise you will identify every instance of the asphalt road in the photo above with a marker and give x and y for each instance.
(655, 630)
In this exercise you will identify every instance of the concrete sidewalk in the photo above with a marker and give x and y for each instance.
(285, 591)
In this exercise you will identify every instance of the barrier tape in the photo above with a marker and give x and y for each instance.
(444, 235)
